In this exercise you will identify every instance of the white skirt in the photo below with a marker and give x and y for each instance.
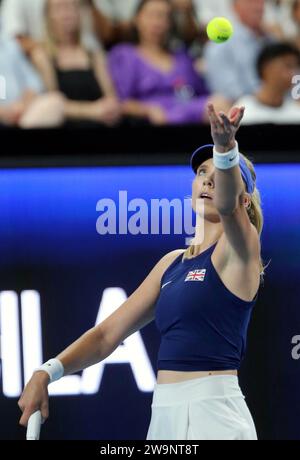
(205, 408)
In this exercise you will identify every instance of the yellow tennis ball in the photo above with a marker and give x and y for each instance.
(219, 30)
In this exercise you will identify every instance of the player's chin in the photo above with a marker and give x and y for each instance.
(208, 206)
(208, 212)
(212, 216)
(201, 203)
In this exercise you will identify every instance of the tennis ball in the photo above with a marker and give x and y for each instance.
(219, 30)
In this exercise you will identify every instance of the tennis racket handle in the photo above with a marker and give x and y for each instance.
(34, 426)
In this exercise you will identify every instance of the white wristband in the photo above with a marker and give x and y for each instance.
(54, 369)
(227, 160)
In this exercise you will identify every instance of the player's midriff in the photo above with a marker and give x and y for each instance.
(178, 376)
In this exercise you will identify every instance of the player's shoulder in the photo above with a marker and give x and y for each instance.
(173, 254)
(165, 261)
(169, 257)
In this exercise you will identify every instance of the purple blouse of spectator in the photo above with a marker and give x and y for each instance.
(181, 92)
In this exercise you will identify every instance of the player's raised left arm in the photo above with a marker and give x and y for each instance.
(231, 198)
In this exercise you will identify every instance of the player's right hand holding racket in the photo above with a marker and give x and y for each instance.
(35, 397)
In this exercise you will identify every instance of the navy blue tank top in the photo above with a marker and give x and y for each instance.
(203, 325)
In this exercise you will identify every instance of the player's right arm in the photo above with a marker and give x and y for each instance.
(99, 342)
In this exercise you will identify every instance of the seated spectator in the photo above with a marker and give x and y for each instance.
(113, 21)
(231, 67)
(278, 19)
(295, 15)
(67, 66)
(275, 21)
(153, 83)
(23, 104)
(207, 10)
(272, 103)
(283, 20)
(24, 20)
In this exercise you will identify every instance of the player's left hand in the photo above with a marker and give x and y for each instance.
(224, 127)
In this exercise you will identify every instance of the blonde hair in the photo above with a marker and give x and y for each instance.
(49, 38)
(255, 215)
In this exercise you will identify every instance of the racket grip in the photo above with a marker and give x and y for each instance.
(34, 426)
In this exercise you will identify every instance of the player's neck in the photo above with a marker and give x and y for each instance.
(207, 236)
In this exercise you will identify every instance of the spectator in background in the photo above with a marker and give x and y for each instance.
(277, 16)
(274, 15)
(113, 21)
(66, 65)
(231, 67)
(207, 10)
(24, 105)
(283, 19)
(295, 14)
(276, 22)
(24, 20)
(154, 83)
(272, 103)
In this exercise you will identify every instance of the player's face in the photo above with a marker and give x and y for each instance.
(204, 184)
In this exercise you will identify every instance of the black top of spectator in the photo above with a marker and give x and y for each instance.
(274, 51)
(78, 84)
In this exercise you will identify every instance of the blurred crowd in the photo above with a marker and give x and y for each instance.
(88, 62)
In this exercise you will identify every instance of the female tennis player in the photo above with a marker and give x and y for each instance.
(201, 298)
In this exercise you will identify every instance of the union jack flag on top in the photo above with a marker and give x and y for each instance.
(196, 275)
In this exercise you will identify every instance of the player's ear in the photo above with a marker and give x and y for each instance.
(247, 201)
